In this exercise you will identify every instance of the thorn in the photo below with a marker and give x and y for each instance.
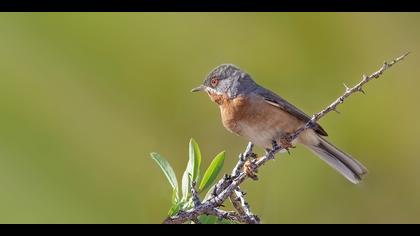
(214, 191)
(364, 77)
(226, 177)
(335, 109)
(362, 91)
(221, 217)
(347, 88)
(403, 56)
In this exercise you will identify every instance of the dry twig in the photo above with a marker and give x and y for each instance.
(228, 186)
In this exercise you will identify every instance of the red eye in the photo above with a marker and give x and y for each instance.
(214, 82)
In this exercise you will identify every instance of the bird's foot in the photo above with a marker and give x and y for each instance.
(250, 169)
(286, 143)
(250, 159)
(274, 149)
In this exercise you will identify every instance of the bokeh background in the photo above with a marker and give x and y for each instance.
(85, 97)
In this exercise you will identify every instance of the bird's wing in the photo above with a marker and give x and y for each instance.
(277, 101)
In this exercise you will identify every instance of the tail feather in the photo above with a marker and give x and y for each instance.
(350, 168)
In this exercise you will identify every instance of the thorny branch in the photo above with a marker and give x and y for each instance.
(228, 186)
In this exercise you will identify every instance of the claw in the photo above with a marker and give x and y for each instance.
(249, 169)
(286, 144)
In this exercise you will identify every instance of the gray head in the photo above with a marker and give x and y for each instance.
(227, 79)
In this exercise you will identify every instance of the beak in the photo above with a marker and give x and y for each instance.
(199, 89)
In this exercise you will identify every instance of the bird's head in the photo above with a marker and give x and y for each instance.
(226, 80)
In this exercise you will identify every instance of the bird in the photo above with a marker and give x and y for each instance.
(266, 119)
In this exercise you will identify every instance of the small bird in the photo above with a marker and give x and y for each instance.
(266, 119)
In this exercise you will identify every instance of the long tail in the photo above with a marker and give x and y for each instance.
(350, 168)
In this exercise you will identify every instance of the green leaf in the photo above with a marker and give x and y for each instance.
(175, 209)
(226, 222)
(186, 185)
(192, 170)
(209, 194)
(195, 154)
(214, 220)
(212, 171)
(175, 198)
(207, 219)
(167, 170)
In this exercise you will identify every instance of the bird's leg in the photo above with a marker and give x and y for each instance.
(249, 157)
(274, 149)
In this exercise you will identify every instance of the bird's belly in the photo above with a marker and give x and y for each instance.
(260, 134)
(258, 121)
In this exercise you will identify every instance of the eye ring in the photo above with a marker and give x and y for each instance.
(214, 82)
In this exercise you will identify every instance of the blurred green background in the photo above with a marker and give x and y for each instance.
(85, 97)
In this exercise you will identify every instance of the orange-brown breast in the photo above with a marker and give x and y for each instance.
(231, 111)
(255, 119)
